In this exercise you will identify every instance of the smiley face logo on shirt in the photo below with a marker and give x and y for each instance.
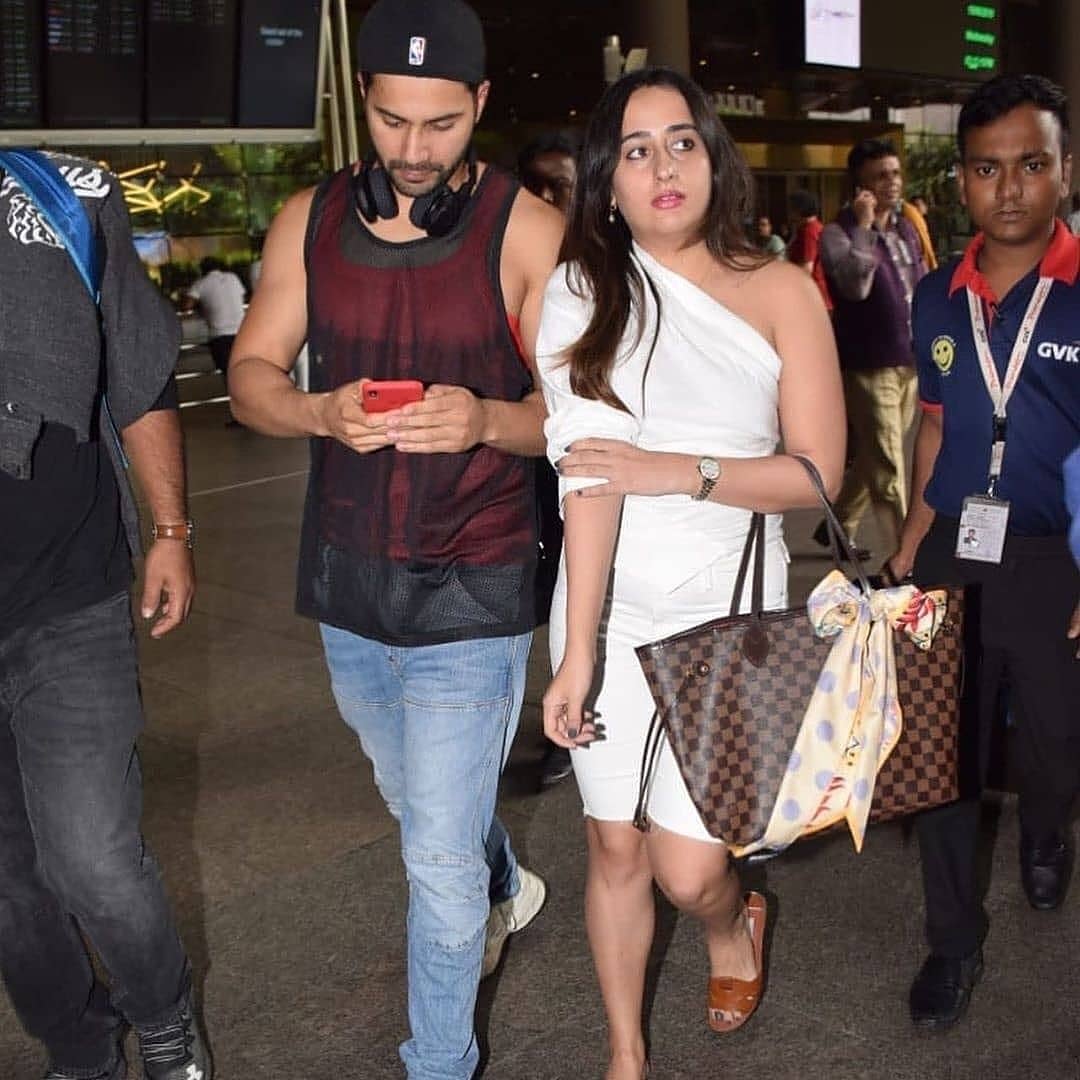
(943, 353)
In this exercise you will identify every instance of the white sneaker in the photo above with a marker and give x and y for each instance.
(511, 916)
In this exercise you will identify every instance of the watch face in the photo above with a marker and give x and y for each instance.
(709, 468)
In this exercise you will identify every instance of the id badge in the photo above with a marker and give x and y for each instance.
(983, 524)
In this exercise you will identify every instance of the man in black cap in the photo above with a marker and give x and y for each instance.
(416, 277)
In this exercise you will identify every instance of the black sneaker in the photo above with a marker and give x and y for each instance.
(117, 1072)
(174, 1049)
(556, 766)
(941, 991)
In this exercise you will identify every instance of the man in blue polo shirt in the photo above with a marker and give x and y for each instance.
(996, 337)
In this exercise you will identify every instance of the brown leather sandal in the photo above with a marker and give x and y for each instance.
(733, 1001)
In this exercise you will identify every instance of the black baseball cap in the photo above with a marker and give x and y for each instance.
(428, 39)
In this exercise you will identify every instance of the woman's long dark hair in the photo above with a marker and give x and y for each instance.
(598, 251)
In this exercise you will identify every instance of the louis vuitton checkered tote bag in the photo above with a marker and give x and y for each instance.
(731, 694)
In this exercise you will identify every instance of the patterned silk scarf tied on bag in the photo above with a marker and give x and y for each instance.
(853, 720)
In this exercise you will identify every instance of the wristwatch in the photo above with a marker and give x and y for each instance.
(184, 531)
(709, 470)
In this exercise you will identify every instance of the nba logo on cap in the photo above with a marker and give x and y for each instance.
(417, 49)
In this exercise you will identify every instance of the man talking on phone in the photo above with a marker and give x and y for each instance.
(872, 257)
(419, 537)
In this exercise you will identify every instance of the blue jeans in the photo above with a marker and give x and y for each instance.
(72, 856)
(437, 722)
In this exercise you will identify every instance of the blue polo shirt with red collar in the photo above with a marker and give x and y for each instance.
(1043, 414)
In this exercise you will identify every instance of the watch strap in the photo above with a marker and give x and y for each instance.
(184, 530)
(705, 490)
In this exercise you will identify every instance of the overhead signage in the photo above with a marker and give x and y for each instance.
(94, 60)
(279, 52)
(21, 53)
(159, 64)
(833, 32)
(191, 63)
(951, 39)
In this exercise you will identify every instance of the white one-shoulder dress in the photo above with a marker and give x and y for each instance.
(712, 388)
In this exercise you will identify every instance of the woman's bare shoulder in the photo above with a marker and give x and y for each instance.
(783, 276)
(786, 291)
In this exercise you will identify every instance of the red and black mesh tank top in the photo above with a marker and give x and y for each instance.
(416, 549)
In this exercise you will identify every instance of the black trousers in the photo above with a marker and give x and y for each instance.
(220, 347)
(72, 857)
(1017, 616)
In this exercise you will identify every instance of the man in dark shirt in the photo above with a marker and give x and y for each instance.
(419, 541)
(73, 863)
(999, 381)
(873, 260)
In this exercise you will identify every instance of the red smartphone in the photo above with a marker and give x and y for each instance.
(390, 394)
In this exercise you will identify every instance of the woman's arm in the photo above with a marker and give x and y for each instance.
(591, 525)
(590, 528)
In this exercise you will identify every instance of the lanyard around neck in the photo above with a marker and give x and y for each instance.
(1000, 391)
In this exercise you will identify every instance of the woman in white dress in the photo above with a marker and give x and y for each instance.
(674, 359)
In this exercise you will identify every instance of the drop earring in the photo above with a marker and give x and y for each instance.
(611, 212)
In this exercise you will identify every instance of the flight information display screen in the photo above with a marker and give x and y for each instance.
(191, 62)
(279, 53)
(94, 63)
(21, 50)
(159, 64)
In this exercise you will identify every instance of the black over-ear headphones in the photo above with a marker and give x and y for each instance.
(436, 213)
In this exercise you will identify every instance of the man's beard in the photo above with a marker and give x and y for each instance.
(440, 174)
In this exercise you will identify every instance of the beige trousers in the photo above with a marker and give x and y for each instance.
(880, 408)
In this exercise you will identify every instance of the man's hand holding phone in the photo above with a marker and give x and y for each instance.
(345, 419)
(864, 206)
(450, 420)
(369, 415)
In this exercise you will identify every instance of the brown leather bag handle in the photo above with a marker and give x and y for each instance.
(755, 548)
(841, 542)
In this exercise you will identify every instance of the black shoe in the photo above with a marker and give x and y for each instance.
(117, 1072)
(822, 539)
(556, 766)
(942, 989)
(174, 1049)
(1045, 870)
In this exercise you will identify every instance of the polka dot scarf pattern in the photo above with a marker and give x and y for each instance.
(854, 719)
